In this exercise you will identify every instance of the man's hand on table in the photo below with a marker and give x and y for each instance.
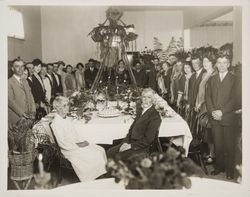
(83, 144)
(124, 147)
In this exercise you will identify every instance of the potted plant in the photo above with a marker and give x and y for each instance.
(22, 150)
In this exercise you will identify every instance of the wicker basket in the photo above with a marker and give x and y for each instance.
(21, 165)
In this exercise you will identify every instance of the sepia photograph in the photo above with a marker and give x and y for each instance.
(125, 96)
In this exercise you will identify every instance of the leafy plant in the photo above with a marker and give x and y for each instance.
(20, 136)
(169, 170)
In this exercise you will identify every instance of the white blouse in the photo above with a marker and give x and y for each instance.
(47, 87)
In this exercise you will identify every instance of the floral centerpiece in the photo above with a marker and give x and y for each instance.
(80, 104)
(169, 170)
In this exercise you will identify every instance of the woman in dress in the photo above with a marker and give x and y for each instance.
(122, 75)
(70, 82)
(79, 74)
(184, 87)
(38, 90)
(175, 84)
(88, 160)
(209, 62)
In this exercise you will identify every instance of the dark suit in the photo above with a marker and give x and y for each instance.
(140, 77)
(58, 88)
(141, 135)
(220, 95)
(37, 90)
(90, 77)
(152, 82)
(167, 82)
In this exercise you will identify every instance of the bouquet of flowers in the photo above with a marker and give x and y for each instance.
(169, 170)
(80, 102)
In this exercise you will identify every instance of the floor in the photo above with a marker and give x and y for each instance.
(69, 177)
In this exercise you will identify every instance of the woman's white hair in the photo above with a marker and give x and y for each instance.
(59, 101)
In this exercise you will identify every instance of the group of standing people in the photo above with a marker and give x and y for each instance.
(33, 86)
(204, 85)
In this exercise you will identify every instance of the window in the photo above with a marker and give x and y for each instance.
(15, 24)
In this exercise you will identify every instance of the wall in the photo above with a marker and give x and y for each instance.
(196, 15)
(160, 24)
(212, 35)
(65, 29)
(237, 35)
(30, 47)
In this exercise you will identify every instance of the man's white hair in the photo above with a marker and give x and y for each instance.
(151, 92)
(59, 101)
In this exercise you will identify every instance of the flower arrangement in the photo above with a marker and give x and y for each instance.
(20, 136)
(169, 170)
(81, 103)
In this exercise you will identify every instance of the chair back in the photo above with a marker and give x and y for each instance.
(156, 144)
(54, 137)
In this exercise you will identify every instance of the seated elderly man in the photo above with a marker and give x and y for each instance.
(143, 130)
(88, 160)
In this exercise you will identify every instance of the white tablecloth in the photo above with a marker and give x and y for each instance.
(104, 130)
(198, 184)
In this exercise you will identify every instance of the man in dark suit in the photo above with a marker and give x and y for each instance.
(221, 104)
(143, 130)
(57, 81)
(152, 76)
(140, 75)
(20, 100)
(90, 74)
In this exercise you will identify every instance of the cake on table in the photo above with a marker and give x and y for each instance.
(108, 112)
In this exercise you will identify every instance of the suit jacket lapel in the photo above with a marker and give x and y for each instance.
(18, 83)
(145, 115)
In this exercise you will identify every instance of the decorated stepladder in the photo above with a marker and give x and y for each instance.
(114, 39)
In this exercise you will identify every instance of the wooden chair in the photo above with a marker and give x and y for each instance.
(195, 148)
(156, 144)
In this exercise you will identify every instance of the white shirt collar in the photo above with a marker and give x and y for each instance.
(17, 78)
(145, 109)
(198, 72)
(222, 75)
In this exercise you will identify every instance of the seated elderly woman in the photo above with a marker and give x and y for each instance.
(143, 130)
(88, 160)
